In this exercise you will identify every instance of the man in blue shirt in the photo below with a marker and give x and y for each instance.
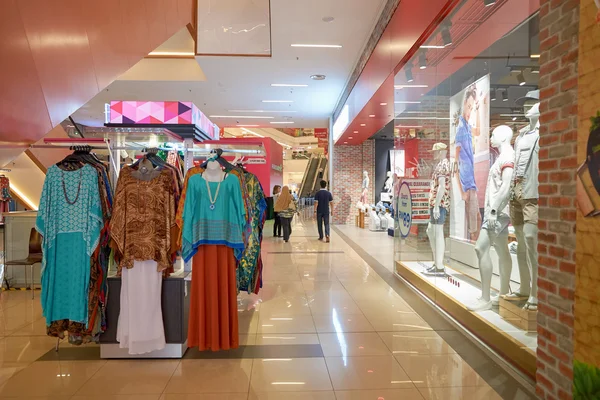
(323, 202)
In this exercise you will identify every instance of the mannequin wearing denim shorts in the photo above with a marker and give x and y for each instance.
(439, 202)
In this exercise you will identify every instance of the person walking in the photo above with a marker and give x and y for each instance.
(277, 220)
(286, 206)
(323, 206)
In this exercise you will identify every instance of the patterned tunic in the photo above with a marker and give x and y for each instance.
(70, 221)
(143, 220)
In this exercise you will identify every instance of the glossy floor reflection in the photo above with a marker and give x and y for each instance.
(374, 345)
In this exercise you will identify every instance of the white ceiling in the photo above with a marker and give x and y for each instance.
(242, 83)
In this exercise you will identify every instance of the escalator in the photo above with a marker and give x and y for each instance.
(316, 169)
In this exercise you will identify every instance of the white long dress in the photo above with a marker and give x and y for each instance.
(140, 328)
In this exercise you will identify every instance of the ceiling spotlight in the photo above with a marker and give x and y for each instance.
(317, 77)
(521, 79)
(350, 137)
(363, 124)
(383, 104)
(446, 37)
(505, 95)
(409, 75)
(492, 95)
(514, 118)
(535, 70)
(422, 60)
(372, 116)
(355, 131)
(488, 3)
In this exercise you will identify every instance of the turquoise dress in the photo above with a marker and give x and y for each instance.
(70, 226)
(222, 225)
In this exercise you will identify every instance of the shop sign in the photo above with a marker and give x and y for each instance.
(404, 210)
(419, 190)
(321, 133)
(255, 161)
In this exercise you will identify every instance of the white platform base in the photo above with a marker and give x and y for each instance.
(171, 350)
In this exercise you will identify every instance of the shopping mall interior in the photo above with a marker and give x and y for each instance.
(273, 199)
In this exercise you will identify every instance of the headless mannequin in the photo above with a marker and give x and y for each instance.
(145, 171)
(389, 183)
(435, 232)
(494, 234)
(213, 172)
(365, 187)
(527, 237)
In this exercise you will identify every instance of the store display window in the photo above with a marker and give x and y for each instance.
(466, 119)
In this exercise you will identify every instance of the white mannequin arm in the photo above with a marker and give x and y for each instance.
(498, 202)
(441, 190)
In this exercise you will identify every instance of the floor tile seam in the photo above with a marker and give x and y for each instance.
(170, 378)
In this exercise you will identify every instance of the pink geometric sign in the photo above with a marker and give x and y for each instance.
(161, 112)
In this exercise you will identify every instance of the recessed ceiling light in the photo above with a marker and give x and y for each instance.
(287, 85)
(350, 137)
(355, 131)
(317, 77)
(321, 46)
(372, 116)
(240, 116)
(363, 124)
(345, 142)
(383, 104)
(283, 122)
(278, 101)
(327, 19)
(252, 132)
(261, 111)
(432, 47)
(534, 56)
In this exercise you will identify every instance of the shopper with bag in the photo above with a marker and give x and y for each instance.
(286, 206)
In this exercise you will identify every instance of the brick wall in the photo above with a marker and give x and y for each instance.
(349, 162)
(559, 26)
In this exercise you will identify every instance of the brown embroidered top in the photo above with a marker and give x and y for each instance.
(142, 226)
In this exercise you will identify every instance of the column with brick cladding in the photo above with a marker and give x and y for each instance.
(559, 27)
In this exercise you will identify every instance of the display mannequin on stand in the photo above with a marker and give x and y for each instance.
(439, 203)
(524, 201)
(494, 230)
(389, 183)
(365, 187)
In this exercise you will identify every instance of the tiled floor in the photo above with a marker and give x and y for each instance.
(374, 345)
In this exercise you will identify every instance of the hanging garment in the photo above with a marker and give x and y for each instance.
(250, 263)
(212, 233)
(70, 220)
(140, 328)
(220, 223)
(213, 321)
(143, 221)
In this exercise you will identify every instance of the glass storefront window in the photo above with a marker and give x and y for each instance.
(467, 109)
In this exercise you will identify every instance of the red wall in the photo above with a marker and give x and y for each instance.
(266, 174)
(59, 54)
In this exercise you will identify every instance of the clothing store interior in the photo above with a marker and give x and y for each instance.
(267, 200)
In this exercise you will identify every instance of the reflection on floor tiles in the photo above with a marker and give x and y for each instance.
(325, 326)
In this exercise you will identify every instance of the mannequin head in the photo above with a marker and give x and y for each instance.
(501, 135)
(532, 109)
(365, 174)
(389, 174)
(213, 166)
(440, 154)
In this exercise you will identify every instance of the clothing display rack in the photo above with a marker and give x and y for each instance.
(177, 287)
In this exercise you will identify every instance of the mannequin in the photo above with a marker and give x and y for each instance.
(365, 187)
(145, 171)
(494, 231)
(524, 202)
(389, 183)
(213, 172)
(439, 203)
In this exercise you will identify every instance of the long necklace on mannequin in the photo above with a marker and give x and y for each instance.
(212, 201)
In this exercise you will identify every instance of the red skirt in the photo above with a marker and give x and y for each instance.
(213, 320)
